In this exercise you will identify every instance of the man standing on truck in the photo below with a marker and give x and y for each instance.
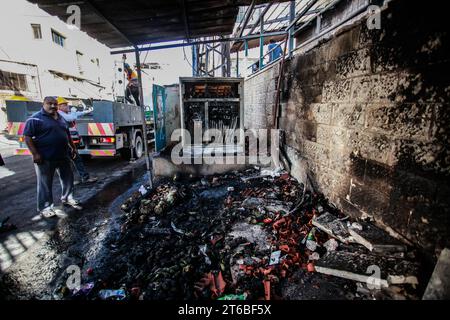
(133, 83)
(48, 139)
(71, 117)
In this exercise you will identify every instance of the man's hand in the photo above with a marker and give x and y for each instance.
(37, 158)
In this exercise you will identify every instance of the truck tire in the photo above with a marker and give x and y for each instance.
(138, 147)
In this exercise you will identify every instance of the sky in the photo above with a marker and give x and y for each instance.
(172, 61)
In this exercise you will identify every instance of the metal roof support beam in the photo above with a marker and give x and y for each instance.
(308, 6)
(263, 13)
(260, 21)
(268, 22)
(101, 15)
(261, 42)
(185, 44)
(247, 18)
(185, 19)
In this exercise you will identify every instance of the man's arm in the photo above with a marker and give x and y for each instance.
(31, 127)
(73, 116)
(31, 146)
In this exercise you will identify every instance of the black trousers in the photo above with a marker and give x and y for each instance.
(132, 90)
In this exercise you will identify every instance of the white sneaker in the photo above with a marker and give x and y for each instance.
(60, 212)
(48, 212)
(72, 203)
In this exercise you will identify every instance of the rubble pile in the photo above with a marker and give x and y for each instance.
(235, 236)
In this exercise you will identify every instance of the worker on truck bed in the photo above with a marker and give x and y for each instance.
(133, 84)
(71, 117)
(48, 138)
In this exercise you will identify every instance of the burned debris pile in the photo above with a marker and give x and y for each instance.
(242, 235)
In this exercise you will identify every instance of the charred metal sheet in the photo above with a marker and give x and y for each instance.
(124, 23)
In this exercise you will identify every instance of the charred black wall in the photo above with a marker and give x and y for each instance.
(366, 113)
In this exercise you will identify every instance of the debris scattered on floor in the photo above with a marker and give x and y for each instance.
(376, 240)
(368, 268)
(243, 235)
(332, 225)
(5, 226)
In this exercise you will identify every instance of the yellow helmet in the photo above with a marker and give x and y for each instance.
(18, 98)
(61, 100)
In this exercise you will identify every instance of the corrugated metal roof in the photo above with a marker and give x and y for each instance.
(121, 23)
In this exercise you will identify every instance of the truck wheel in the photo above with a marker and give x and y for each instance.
(138, 147)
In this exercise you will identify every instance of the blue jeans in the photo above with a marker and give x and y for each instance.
(79, 165)
(45, 173)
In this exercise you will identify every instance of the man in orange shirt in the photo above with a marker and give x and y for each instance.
(132, 86)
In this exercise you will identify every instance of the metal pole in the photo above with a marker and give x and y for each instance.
(276, 108)
(228, 56)
(207, 60)
(291, 30)
(237, 63)
(148, 160)
(194, 61)
(261, 43)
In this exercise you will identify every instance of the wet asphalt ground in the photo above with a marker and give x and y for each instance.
(18, 248)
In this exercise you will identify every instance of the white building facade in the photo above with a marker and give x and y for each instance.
(41, 55)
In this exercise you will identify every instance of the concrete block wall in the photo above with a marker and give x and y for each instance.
(366, 116)
(259, 97)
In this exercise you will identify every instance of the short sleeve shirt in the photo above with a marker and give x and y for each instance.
(50, 135)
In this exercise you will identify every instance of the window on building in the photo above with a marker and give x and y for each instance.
(37, 33)
(58, 38)
(13, 81)
(80, 61)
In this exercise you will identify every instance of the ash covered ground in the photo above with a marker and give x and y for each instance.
(244, 235)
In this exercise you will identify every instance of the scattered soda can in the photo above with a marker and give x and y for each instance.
(275, 258)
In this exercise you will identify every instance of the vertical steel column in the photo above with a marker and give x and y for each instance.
(194, 60)
(228, 58)
(237, 63)
(148, 160)
(291, 30)
(261, 43)
(207, 60)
